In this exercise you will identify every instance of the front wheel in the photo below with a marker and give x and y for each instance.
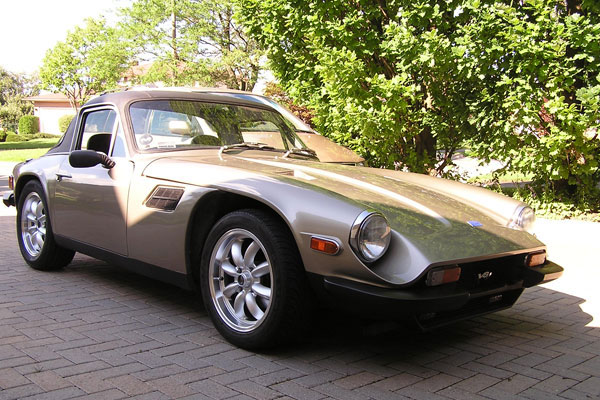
(34, 231)
(252, 280)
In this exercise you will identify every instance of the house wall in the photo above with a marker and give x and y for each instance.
(49, 115)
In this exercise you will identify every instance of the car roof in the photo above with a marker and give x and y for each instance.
(121, 99)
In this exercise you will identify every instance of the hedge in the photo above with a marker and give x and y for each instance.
(64, 121)
(29, 125)
(13, 137)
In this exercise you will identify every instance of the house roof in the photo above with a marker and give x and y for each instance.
(137, 70)
(49, 98)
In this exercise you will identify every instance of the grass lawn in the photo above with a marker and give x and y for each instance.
(30, 144)
(21, 151)
(21, 155)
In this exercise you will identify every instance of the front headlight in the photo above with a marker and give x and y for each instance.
(523, 219)
(370, 236)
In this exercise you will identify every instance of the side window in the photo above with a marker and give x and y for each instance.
(119, 149)
(97, 131)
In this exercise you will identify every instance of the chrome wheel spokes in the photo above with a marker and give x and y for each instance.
(242, 283)
(33, 224)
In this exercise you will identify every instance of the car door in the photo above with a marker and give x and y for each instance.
(90, 204)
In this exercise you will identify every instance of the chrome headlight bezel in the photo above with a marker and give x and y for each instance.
(523, 219)
(367, 220)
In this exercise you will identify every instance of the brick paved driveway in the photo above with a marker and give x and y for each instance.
(94, 331)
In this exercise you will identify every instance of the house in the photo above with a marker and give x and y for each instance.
(49, 108)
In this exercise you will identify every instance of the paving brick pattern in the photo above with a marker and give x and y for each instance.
(94, 331)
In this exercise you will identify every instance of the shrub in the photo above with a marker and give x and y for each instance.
(13, 137)
(44, 136)
(2, 135)
(64, 121)
(29, 125)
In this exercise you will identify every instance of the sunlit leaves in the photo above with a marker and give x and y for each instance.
(406, 83)
(90, 60)
(192, 42)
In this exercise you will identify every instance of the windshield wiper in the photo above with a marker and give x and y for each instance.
(305, 151)
(246, 145)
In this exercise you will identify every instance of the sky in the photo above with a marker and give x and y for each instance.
(28, 28)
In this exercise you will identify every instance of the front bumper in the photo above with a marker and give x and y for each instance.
(435, 306)
(9, 199)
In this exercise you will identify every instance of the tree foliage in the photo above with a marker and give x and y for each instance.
(274, 91)
(407, 83)
(13, 88)
(192, 41)
(89, 61)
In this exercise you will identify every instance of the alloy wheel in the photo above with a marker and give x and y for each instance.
(33, 224)
(242, 284)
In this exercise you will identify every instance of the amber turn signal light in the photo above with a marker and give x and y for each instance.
(324, 245)
(535, 259)
(11, 182)
(440, 276)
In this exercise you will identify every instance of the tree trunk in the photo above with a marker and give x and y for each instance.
(573, 6)
(425, 146)
(174, 43)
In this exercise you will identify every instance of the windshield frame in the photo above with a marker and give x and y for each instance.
(288, 133)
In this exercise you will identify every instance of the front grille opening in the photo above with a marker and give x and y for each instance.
(480, 276)
(164, 198)
(476, 306)
(491, 274)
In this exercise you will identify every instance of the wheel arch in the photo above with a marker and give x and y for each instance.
(24, 180)
(220, 203)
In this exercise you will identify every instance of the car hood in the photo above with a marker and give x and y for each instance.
(445, 220)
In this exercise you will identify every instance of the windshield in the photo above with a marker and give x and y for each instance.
(299, 126)
(168, 124)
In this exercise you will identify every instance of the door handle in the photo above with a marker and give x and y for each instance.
(60, 177)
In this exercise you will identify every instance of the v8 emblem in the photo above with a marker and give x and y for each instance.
(485, 275)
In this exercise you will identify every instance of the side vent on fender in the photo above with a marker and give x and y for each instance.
(164, 198)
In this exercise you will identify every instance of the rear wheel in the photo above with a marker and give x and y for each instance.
(34, 231)
(253, 282)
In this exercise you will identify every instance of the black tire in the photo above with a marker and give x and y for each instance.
(35, 237)
(285, 313)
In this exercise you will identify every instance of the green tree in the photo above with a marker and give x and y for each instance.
(274, 91)
(89, 61)
(192, 41)
(406, 83)
(13, 88)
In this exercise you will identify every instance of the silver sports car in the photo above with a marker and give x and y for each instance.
(216, 192)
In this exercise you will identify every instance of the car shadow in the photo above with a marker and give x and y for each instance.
(540, 317)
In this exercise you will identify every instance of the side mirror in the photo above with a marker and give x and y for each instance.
(89, 158)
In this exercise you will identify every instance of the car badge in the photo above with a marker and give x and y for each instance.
(485, 275)
(475, 224)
